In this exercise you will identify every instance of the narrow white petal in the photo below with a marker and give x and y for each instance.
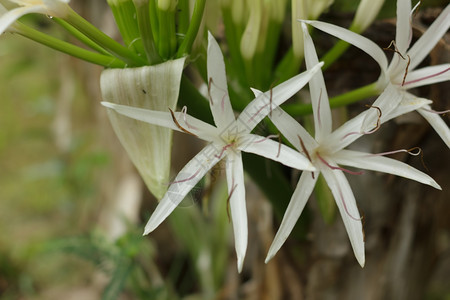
(386, 103)
(298, 201)
(13, 15)
(429, 39)
(195, 126)
(427, 76)
(318, 90)
(188, 177)
(265, 103)
(355, 39)
(275, 151)
(403, 29)
(346, 204)
(408, 104)
(217, 85)
(292, 130)
(236, 194)
(366, 121)
(256, 92)
(383, 164)
(437, 123)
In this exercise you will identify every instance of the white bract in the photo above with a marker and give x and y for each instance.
(226, 140)
(14, 9)
(326, 152)
(402, 72)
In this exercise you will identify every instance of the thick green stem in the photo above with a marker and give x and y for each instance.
(80, 36)
(334, 53)
(197, 16)
(361, 93)
(167, 39)
(116, 49)
(54, 43)
(145, 29)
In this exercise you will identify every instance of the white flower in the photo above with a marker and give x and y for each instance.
(226, 140)
(55, 8)
(326, 152)
(402, 71)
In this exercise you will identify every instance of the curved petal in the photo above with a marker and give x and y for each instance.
(437, 123)
(292, 130)
(430, 38)
(296, 205)
(236, 195)
(165, 119)
(346, 204)
(188, 177)
(355, 39)
(217, 85)
(408, 104)
(403, 32)
(275, 151)
(265, 103)
(366, 121)
(13, 15)
(383, 164)
(427, 76)
(385, 104)
(318, 90)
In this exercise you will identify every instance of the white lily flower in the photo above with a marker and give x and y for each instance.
(19, 8)
(226, 140)
(402, 71)
(326, 152)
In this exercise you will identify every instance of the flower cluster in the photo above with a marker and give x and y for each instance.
(324, 153)
(143, 80)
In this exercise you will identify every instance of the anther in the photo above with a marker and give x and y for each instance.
(178, 124)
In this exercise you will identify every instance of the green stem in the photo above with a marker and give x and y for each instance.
(334, 53)
(124, 12)
(288, 66)
(233, 33)
(92, 32)
(154, 21)
(145, 29)
(361, 93)
(197, 16)
(80, 36)
(54, 43)
(183, 16)
(167, 38)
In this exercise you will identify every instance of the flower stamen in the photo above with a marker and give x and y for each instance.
(178, 124)
(184, 112)
(306, 153)
(377, 126)
(224, 148)
(427, 77)
(187, 179)
(345, 207)
(318, 109)
(233, 188)
(437, 112)
(338, 168)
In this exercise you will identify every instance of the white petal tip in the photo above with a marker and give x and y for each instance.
(268, 258)
(240, 264)
(436, 185)
(210, 36)
(361, 259)
(148, 229)
(304, 21)
(107, 104)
